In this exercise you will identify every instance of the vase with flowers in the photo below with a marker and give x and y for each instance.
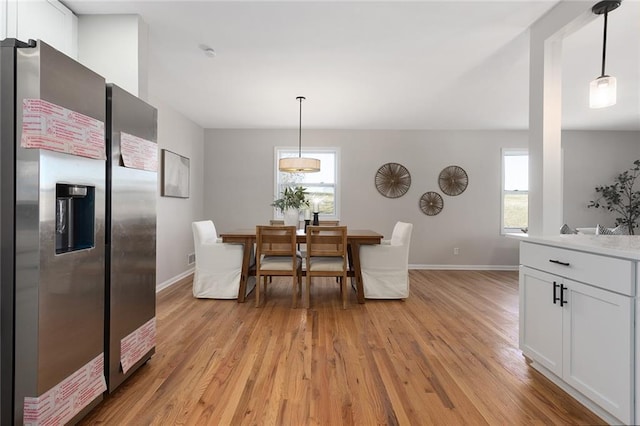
(290, 203)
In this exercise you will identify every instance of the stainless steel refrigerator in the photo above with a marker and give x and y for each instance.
(131, 233)
(52, 230)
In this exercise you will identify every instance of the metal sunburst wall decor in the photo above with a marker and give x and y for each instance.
(431, 203)
(393, 180)
(453, 180)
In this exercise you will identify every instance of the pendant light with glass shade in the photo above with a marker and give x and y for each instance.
(299, 164)
(602, 90)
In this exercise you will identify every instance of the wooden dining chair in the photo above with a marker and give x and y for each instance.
(276, 255)
(327, 257)
(280, 222)
(303, 249)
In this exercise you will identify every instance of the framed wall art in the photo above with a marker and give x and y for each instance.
(393, 180)
(453, 180)
(431, 203)
(175, 175)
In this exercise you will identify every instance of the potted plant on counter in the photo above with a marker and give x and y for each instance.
(622, 198)
(290, 202)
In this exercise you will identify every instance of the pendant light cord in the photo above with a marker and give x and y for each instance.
(604, 45)
(300, 124)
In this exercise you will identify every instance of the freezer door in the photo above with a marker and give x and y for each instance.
(59, 300)
(131, 240)
(7, 222)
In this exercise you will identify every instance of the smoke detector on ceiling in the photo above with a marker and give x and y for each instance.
(209, 51)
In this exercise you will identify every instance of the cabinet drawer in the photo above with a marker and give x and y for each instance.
(606, 272)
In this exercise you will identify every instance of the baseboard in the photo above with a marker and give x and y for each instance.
(467, 267)
(189, 273)
(175, 280)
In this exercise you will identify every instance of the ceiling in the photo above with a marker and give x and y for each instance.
(373, 65)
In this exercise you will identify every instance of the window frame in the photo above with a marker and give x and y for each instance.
(308, 152)
(504, 152)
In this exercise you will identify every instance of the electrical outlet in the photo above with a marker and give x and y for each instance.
(456, 251)
(191, 258)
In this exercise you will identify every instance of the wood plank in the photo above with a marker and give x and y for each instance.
(446, 355)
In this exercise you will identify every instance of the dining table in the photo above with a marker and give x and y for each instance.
(355, 239)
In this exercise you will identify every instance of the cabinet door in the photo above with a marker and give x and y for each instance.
(3, 19)
(47, 20)
(540, 319)
(597, 347)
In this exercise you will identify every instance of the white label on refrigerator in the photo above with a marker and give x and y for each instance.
(55, 128)
(61, 403)
(137, 344)
(138, 153)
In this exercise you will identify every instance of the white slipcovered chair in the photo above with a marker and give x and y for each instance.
(218, 264)
(385, 267)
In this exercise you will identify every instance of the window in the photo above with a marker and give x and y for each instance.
(321, 186)
(515, 190)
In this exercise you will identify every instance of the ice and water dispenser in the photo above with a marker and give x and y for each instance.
(75, 217)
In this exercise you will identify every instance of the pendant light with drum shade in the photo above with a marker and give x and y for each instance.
(299, 164)
(602, 90)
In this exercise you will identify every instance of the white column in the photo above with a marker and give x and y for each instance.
(545, 113)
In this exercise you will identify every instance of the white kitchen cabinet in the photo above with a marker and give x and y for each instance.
(540, 320)
(597, 350)
(46, 20)
(581, 332)
(3, 19)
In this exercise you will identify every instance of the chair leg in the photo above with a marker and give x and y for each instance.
(294, 281)
(257, 290)
(343, 290)
(264, 285)
(307, 295)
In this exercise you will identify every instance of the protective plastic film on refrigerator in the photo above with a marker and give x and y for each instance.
(52, 227)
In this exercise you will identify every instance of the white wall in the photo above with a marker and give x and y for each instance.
(115, 46)
(592, 159)
(239, 183)
(174, 237)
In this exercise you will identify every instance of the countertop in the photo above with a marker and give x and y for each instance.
(623, 246)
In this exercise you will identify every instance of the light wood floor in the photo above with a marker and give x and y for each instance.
(448, 355)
